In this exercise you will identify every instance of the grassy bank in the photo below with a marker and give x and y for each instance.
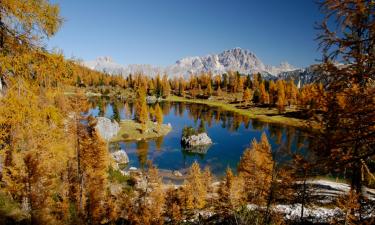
(131, 130)
(269, 115)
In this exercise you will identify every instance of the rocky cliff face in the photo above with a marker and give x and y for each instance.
(106, 128)
(236, 59)
(301, 76)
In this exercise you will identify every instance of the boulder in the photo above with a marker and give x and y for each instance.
(196, 140)
(120, 157)
(177, 173)
(115, 189)
(106, 128)
(151, 99)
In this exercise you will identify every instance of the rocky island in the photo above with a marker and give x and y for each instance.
(195, 141)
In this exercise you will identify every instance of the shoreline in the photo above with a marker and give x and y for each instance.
(267, 115)
(253, 113)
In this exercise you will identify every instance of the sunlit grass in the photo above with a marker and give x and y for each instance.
(130, 130)
(269, 115)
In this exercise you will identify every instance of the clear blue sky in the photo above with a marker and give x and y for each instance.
(160, 32)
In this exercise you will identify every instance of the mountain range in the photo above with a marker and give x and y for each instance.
(236, 59)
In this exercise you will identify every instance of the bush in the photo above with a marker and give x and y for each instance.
(188, 131)
(10, 211)
(117, 176)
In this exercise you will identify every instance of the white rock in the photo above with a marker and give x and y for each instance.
(196, 140)
(133, 168)
(151, 99)
(177, 173)
(120, 157)
(106, 128)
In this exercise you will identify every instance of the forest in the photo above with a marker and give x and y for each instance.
(55, 168)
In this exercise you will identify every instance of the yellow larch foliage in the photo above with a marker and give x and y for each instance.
(246, 97)
(195, 188)
(158, 115)
(255, 167)
(28, 122)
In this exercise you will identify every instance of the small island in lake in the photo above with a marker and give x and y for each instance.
(195, 141)
(131, 130)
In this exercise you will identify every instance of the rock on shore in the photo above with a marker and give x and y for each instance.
(120, 157)
(106, 128)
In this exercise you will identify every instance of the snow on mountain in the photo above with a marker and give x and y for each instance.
(104, 64)
(236, 59)
(301, 76)
(107, 65)
(283, 67)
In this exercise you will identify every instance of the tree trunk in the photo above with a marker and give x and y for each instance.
(2, 32)
(270, 195)
(79, 172)
(356, 185)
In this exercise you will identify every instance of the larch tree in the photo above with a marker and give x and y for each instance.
(77, 104)
(181, 87)
(28, 123)
(158, 115)
(272, 93)
(95, 164)
(166, 87)
(195, 190)
(347, 137)
(256, 167)
(231, 194)
(219, 91)
(149, 204)
(246, 97)
(141, 113)
(264, 96)
(281, 98)
(291, 92)
(209, 89)
(25, 23)
(173, 205)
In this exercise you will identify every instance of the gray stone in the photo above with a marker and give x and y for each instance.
(177, 173)
(196, 140)
(151, 99)
(106, 128)
(120, 157)
(115, 189)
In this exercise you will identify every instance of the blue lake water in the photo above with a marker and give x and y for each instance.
(231, 135)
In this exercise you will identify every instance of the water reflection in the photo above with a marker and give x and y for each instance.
(231, 133)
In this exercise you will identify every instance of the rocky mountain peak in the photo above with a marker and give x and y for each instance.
(236, 59)
(105, 59)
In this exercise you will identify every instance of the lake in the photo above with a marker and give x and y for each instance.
(231, 134)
